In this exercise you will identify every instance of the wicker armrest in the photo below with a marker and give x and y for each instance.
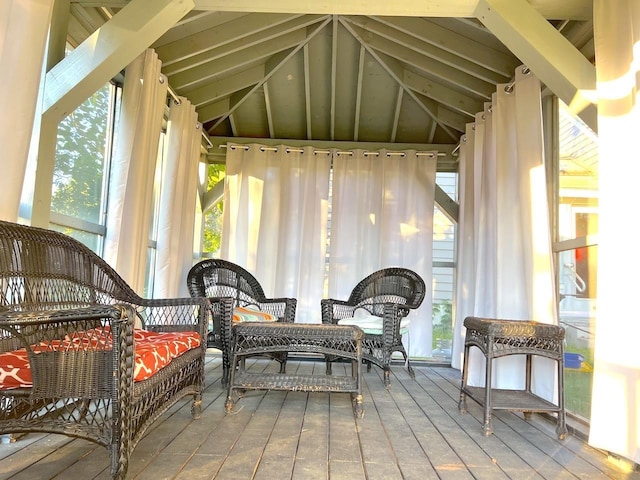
(31, 327)
(282, 308)
(334, 310)
(84, 372)
(174, 314)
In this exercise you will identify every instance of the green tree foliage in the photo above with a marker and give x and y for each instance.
(80, 156)
(213, 217)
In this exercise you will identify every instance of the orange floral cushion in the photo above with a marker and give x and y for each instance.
(152, 352)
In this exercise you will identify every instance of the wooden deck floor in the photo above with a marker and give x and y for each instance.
(411, 431)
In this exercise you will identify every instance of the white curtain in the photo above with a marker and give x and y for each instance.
(176, 220)
(468, 221)
(505, 262)
(24, 26)
(133, 168)
(382, 216)
(274, 220)
(615, 407)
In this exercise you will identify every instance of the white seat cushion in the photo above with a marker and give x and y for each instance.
(372, 325)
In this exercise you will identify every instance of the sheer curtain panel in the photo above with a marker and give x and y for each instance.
(275, 220)
(382, 216)
(176, 219)
(133, 168)
(615, 407)
(505, 262)
(24, 26)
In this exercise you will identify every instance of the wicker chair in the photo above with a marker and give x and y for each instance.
(55, 294)
(389, 293)
(217, 278)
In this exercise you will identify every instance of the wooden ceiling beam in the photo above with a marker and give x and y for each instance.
(552, 9)
(549, 55)
(107, 51)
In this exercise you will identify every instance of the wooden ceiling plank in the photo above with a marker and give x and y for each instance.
(199, 22)
(270, 73)
(257, 39)
(224, 87)
(214, 110)
(399, 80)
(453, 43)
(219, 35)
(429, 50)
(107, 51)
(549, 55)
(456, 77)
(442, 94)
(90, 18)
(197, 76)
(454, 120)
(243, 43)
(76, 32)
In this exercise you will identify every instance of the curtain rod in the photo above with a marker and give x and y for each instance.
(340, 152)
(173, 94)
(176, 99)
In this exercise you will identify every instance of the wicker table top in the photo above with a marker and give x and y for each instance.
(514, 328)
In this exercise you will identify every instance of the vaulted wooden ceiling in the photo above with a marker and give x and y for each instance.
(352, 71)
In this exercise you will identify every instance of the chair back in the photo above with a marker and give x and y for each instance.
(395, 284)
(42, 270)
(222, 278)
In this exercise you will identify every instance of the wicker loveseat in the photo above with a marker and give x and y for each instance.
(73, 323)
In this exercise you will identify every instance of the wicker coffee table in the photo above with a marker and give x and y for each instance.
(499, 338)
(251, 339)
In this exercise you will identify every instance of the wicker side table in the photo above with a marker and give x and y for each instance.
(498, 338)
(268, 338)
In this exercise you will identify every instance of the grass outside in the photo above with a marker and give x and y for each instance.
(578, 383)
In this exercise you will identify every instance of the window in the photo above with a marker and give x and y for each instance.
(577, 251)
(444, 244)
(212, 233)
(83, 154)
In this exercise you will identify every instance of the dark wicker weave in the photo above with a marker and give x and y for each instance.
(52, 286)
(389, 293)
(268, 338)
(217, 278)
(498, 338)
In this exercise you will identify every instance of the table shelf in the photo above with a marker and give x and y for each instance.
(261, 338)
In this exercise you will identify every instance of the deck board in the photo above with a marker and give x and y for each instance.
(412, 430)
